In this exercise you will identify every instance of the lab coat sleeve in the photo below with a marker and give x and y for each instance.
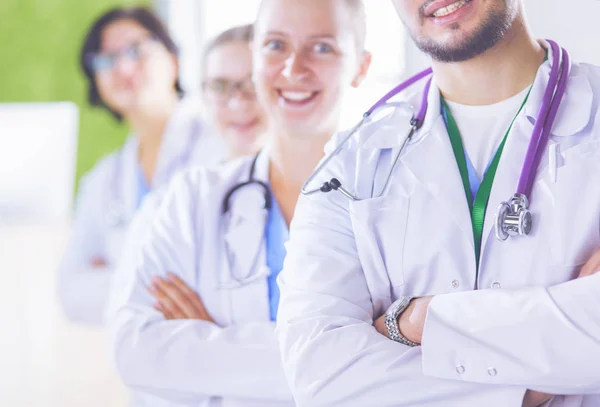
(546, 339)
(124, 276)
(83, 288)
(332, 354)
(188, 360)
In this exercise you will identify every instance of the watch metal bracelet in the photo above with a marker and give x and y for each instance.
(391, 321)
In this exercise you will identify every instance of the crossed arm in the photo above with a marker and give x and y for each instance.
(326, 315)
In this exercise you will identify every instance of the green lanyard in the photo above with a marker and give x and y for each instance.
(479, 205)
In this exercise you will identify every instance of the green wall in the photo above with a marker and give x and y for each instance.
(39, 48)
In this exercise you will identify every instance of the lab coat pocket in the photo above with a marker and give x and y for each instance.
(380, 229)
(572, 205)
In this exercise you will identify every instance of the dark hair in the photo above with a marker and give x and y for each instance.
(242, 33)
(92, 43)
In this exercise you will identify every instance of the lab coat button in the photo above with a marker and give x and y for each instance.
(455, 284)
(492, 372)
(496, 285)
(460, 369)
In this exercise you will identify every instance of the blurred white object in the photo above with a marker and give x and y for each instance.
(38, 146)
(45, 360)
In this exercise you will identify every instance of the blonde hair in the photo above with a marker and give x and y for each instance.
(357, 11)
(359, 16)
(242, 33)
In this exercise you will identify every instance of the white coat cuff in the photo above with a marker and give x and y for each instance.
(444, 356)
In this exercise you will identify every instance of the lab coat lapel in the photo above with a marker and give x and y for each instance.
(506, 178)
(431, 160)
(245, 244)
(575, 110)
(181, 135)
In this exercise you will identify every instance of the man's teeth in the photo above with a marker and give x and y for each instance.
(297, 96)
(444, 11)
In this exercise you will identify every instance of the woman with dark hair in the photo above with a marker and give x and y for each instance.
(131, 66)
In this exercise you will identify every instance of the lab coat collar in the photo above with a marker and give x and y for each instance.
(244, 234)
(389, 127)
(430, 159)
(182, 133)
(574, 114)
(575, 111)
(441, 178)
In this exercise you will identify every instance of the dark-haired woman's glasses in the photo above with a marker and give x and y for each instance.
(222, 90)
(106, 61)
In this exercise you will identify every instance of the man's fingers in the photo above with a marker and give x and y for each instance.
(163, 310)
(592, 266)
(535, 399)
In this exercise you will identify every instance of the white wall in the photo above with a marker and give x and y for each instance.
(572, 23)
(194, 22)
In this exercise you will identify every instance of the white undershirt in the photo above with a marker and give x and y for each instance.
(482, 128)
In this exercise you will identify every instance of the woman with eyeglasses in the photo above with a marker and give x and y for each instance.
(197, 325)
(231, 108)
(228, 92)
(131, 67)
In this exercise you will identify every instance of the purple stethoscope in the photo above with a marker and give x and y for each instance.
(513, 216)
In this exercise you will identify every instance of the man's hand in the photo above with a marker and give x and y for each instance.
(411, 322)
(535, 399)
(175, 300)
(592, 266)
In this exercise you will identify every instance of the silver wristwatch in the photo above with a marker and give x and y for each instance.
(391, 320)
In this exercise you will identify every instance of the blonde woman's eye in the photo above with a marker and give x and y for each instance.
(274, 45)
(323, 48)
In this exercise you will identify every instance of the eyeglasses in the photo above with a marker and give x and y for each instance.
(106, 61)
(222, 90)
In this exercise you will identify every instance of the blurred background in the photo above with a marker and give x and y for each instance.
(49, 137)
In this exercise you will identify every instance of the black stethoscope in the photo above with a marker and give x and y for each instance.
(251, 181)
(234, 280)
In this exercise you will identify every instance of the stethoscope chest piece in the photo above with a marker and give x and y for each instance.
(513, 218)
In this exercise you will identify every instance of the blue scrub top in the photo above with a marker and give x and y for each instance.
(142, 185)
(276, 235)
(474, 180)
